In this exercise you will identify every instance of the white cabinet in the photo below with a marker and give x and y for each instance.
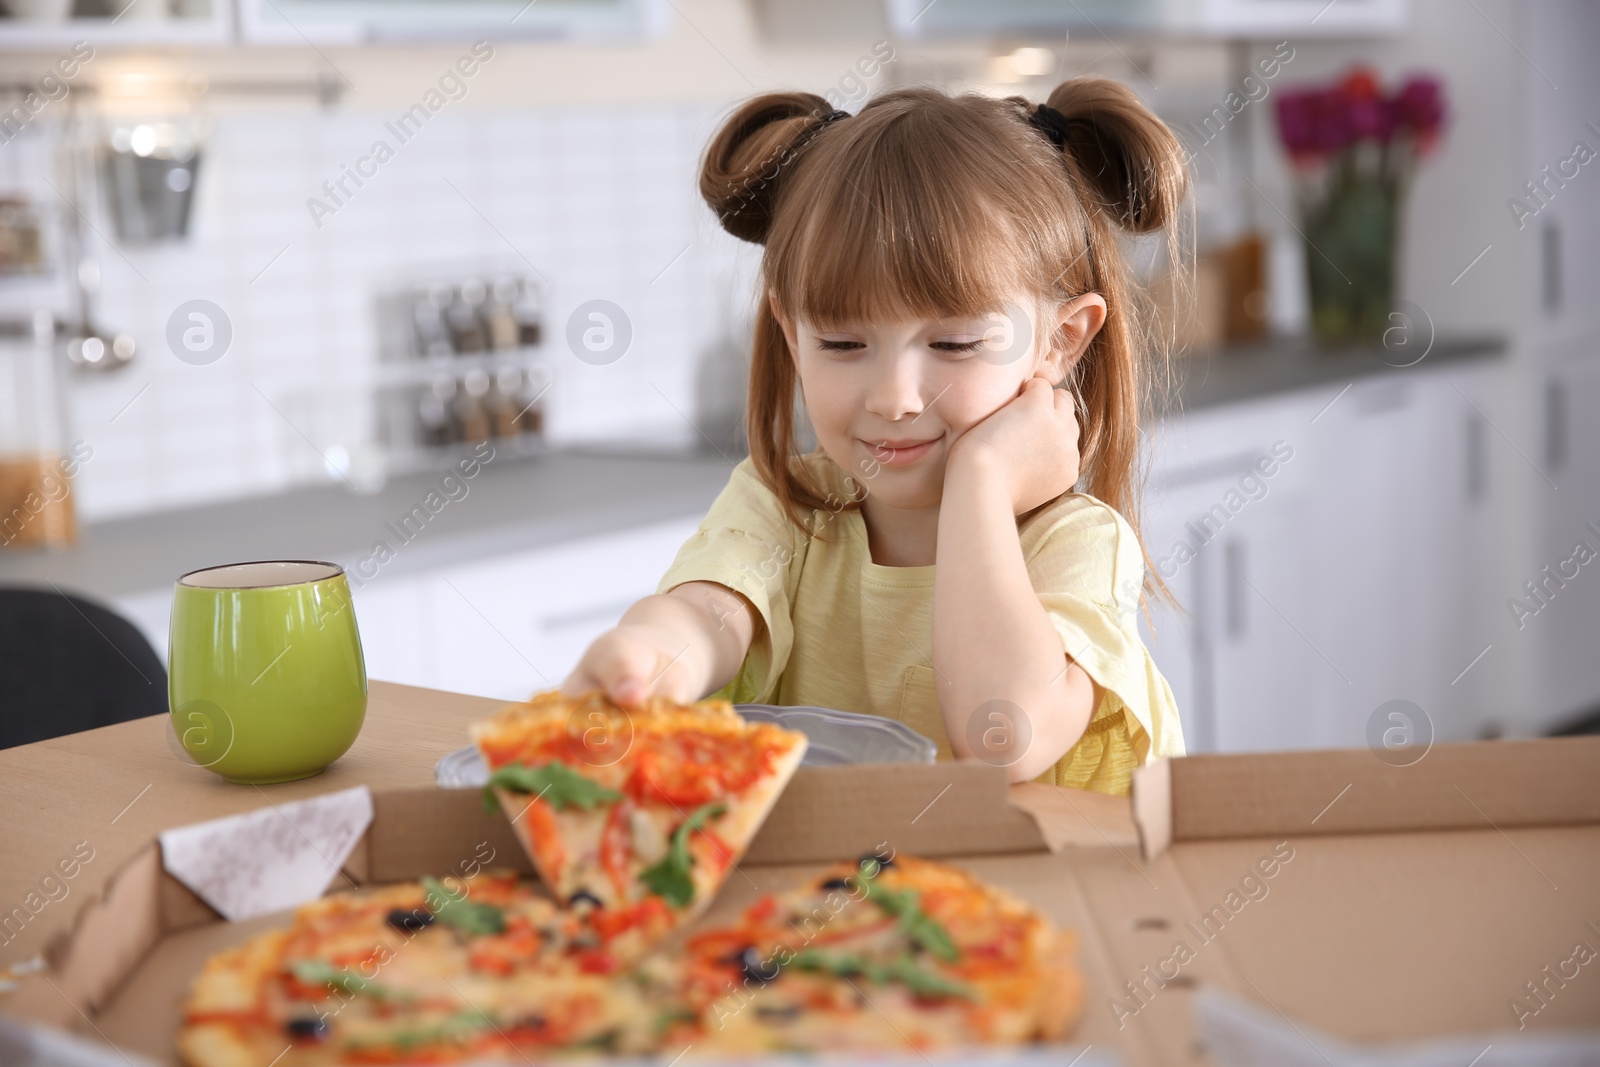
(1261, 19)
(1371, 537)
(1560, 592)
(1223, 526)
(1367, 566)
(358, 22)
(1293, 18)
(389, 610)
(508, 625)
(1478, 482)
(1264, 660)
(1560, 242)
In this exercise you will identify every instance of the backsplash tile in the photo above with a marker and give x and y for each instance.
(601, 202)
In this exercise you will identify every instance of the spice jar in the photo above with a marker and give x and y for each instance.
(36, 463)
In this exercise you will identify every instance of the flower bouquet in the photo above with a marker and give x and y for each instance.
(1354, 151)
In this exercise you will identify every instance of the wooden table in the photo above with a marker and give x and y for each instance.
(117, 787)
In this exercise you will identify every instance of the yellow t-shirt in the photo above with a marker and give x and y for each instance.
(845, 632)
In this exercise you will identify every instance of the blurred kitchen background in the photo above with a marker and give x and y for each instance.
(425, 288)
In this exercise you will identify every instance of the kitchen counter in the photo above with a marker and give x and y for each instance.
(511, 504)
(1238, 373)
(515, 504)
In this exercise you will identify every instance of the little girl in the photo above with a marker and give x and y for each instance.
(934, 266)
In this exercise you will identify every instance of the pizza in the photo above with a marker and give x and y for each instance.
(637, 814)
(481, 967)
(878, 956)
(885, 955)
(633, 820)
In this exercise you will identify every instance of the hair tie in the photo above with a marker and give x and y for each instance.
(834, 116)
(1052, 123)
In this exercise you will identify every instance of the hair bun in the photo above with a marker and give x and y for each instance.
(740, 175)
(1121, 152)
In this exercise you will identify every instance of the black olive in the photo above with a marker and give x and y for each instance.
(778, 1013)
(410, 921)
(836, 883)
(530, 1022)
(584, 895)
(751, 965)
(314, 1028)
(883, 859)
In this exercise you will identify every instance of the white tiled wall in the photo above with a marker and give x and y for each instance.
(600, 201)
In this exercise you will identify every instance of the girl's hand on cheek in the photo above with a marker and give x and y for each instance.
(1030, 444)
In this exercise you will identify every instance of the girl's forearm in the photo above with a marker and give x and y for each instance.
(707, 627)
(992, 639)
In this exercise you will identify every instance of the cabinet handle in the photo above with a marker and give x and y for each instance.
(1202, 648)
(1555, 424)
(1550, 261)
(1233, 582)
(1477, 458)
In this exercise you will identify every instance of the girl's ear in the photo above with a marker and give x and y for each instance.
(1076, 322)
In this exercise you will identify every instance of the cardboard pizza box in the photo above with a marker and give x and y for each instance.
(1317, 907)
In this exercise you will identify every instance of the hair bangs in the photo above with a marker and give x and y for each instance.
(904, 220)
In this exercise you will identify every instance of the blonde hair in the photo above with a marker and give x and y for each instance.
(924, 204)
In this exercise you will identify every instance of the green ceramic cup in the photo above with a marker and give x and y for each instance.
(265, 677)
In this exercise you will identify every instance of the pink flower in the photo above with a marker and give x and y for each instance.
(1315, 123)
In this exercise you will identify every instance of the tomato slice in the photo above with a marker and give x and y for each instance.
(616, 846)
(546, 840)
(597, 961)
(610, 922)
(502, 954)
(688, 768)
(762, 910)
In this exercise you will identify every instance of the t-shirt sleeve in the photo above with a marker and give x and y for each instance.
(1087, 568)
(747, 544)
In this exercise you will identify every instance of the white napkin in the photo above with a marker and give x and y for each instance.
(266, 860)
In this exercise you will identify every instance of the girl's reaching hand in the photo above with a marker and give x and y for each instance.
(632, 663)
(1030, 443)
(679, 645)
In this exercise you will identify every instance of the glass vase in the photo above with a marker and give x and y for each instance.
(1350, 261)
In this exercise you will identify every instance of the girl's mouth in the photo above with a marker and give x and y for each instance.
(899, 454)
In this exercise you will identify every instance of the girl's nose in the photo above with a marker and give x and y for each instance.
(896, 388)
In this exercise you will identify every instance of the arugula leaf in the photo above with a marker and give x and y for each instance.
(669, 878)
(903, 970)
(845, 965)
(916, 924)
(604, 1041)
(926, 983)
(321, 972)
(668, 1017)
(468, 916)
(555, 783)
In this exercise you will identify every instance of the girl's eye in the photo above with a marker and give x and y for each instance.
(962, 347)
(839, 346)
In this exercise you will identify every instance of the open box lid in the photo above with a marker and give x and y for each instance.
(1443, 898)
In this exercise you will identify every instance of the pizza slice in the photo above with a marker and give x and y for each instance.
(636, 814)
(884, 955)
(486, 967)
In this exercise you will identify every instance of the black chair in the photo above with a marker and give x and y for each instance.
(67, 664)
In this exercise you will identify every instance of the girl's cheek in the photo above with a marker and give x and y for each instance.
(969, 410)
